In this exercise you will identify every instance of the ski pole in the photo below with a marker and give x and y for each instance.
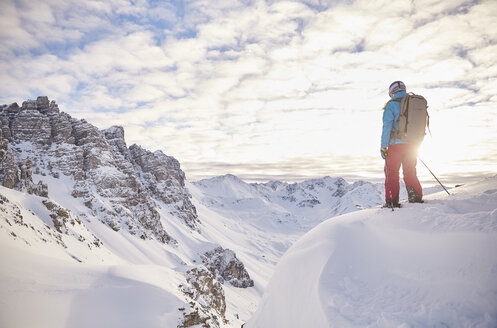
(388, 182)
(434, 176)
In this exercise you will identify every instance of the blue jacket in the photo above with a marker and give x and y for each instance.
(391, 119)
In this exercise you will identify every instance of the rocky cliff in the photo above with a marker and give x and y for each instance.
(122, 186)
(226, 267)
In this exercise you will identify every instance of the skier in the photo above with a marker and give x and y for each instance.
(397, 152)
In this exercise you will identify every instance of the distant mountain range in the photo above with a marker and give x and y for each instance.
(304, 204)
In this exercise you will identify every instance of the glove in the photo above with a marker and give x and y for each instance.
(384, 153)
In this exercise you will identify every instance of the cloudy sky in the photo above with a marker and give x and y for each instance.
(263, 89)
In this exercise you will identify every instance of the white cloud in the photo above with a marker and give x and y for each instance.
(251, 81)
(132, 53)
(12, 34)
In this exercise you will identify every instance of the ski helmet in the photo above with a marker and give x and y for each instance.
(396, 87)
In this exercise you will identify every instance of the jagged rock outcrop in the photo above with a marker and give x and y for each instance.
(224, 264)
(206, 299)
(7, 163)
(117, 184)
(8, 171)
(31, 124)
(59, 216)
(161, 175)
(18, 173)
(24, 179)
(68, 224)
(2, 149)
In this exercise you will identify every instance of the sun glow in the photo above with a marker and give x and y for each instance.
(457, 144)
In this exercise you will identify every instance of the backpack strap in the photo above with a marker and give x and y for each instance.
(428, 124)
(394, 134)
(406, 99)
(386, 104)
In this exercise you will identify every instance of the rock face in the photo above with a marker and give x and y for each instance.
(122, 186)
(224, 264)
(18, 173)
(2, 150)
(206, 299)
(161, 174)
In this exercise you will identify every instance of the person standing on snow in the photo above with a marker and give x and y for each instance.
(397, 152)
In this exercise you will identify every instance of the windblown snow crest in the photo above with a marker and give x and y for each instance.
(424, 265)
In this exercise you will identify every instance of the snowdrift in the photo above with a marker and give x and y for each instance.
(424, 265)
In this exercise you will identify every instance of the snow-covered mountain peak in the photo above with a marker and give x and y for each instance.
(119, 185)
(272, 185)
(116, 130)
(226, 186)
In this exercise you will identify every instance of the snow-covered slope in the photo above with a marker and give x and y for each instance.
(424, 265)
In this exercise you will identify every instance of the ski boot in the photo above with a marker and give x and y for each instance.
(413, 196)
(391, 203)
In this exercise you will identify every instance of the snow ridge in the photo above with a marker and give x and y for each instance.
(424, 265)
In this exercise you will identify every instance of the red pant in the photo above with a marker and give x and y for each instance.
(404, 154)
